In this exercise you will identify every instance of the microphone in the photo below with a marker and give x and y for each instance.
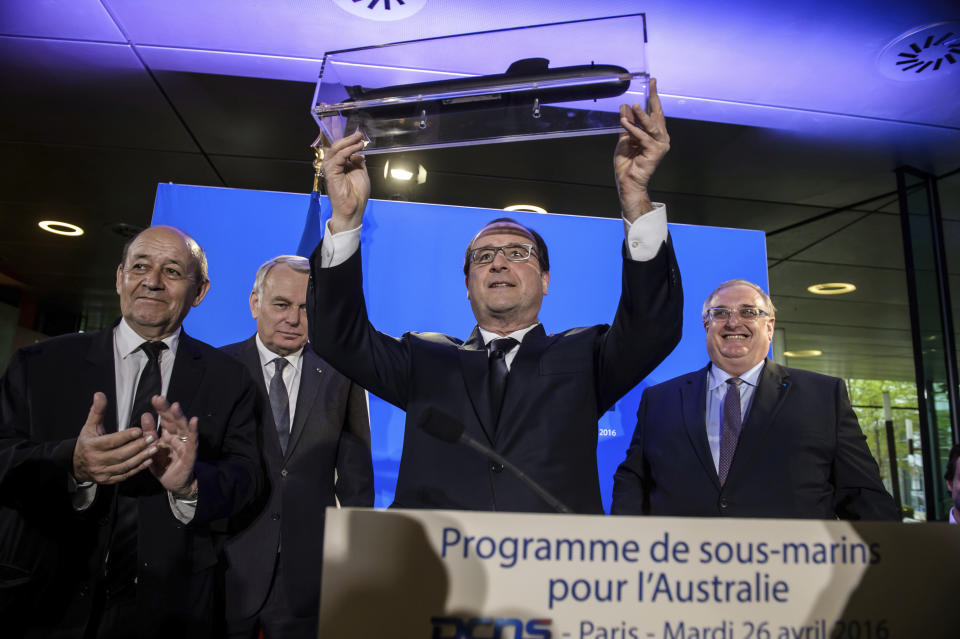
(443, 426)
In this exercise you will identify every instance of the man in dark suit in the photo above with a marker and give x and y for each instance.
(316, 448)
(745, 437)
(110, 526)
(535, 398)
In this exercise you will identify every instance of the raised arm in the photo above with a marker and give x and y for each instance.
(642, 144)
(348, 184)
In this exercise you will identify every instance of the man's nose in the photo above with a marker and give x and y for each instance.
(153, 278)
(295, 315)
(500, 260)
(734, 319)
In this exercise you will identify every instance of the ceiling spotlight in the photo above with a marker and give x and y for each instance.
(61, 228)
(832, 288)
(403, 171)
(806, 353)
(530, 208)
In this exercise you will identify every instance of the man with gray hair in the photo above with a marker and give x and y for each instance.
(316, 449)
(745, 437)
(121, 453)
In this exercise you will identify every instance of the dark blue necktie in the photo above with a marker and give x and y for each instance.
(498, 372)
(730, 431)
(280, 403)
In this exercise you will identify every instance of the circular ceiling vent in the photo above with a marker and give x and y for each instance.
(381, 10)
(923, 53)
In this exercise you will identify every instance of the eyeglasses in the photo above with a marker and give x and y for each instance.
(513, 252)
(746, 313)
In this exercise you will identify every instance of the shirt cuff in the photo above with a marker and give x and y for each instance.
(337, 248)
(82, 494)
(646, 234)
(182, 509)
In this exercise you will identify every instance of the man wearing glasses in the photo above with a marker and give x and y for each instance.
(532, 397)
(745, 437)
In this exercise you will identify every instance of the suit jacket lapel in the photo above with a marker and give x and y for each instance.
(311, 376)
(693, 399)
(473, 362)
(102, 373)
(250, 357)
(772, 388)
(525, 366)
(187, 373)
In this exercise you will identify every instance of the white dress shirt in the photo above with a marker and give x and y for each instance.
(518, 335)
(717, 389)
(291, 373)
(128, 364)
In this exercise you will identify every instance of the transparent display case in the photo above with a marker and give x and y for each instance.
(550, 80)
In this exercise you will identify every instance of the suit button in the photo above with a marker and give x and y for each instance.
(723, 504)
(283, 473)
(495, 467)
(83, 590)
(275, 516)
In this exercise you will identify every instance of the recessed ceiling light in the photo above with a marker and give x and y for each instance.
(806, 353)
(404, 171)
(61, 228)
(530, 208)
(832, 288)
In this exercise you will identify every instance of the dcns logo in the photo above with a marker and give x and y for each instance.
(490, 628)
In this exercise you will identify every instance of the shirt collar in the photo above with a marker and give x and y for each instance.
(489, 336)
(128, 341)
(719, 377)
(267, 356)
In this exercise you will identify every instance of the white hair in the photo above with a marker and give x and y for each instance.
(297, 263)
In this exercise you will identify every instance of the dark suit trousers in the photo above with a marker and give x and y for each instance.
(276, 618)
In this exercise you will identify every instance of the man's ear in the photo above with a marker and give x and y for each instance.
(254, 305)
(202, 291)
(119, 276)
(545, 281)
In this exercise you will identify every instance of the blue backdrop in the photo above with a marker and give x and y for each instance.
(413, 280)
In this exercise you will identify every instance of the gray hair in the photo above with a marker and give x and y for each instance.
(770, 308)
(297, 263)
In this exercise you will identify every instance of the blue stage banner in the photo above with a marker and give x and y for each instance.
(413, 281)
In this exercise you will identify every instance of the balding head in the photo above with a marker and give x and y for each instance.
(163, 274)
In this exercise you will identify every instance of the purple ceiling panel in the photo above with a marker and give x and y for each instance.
(70, 19)
(728, 60)
(816, 56)
(268, 67)
(309, 29)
